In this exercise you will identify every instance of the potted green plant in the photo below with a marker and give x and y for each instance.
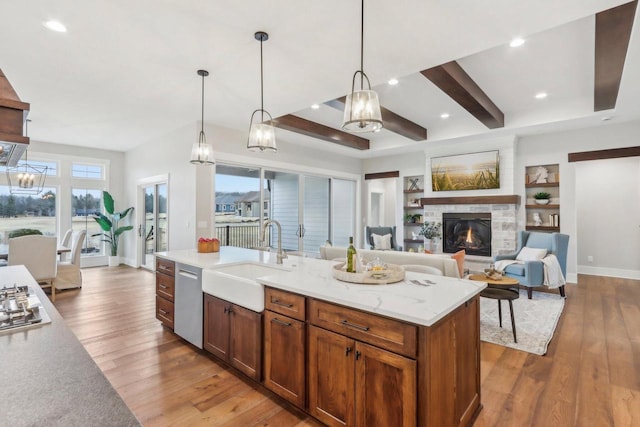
(431, 231)
(542, 198)
(110, 225)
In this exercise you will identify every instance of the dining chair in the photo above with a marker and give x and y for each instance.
(39, 254)
(66, 241)
(69, 274)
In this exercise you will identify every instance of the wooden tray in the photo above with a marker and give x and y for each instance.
(394, 273)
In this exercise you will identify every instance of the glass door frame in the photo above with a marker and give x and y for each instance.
(141, 214)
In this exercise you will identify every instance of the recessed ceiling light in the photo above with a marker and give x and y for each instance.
(393, 82)
(315, 106)
(541, 95)
(516, 42)
(56, 26)
(444, 115)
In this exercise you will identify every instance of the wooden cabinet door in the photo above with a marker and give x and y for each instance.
(385, 392)
(246, 341)
(284, 357)
(216, 326)
(467, 339)
(331, 377)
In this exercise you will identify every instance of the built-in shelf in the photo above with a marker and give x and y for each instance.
(542, 228)
(412, 207)
(413, 224)
(544, 184)
(413, 191)
(535, 206)
(419, 241)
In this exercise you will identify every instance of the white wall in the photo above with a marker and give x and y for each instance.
(554, 148)
(191, 190)
(530, 150)
(604, 188)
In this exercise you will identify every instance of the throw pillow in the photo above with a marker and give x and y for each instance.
(381, 243)
(459, 257)
(531, 254)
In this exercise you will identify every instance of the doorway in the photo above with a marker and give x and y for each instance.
(153, 220)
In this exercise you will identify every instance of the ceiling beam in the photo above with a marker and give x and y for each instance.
(456, 83)
(613, 31)
(316, 130)
(391, 121)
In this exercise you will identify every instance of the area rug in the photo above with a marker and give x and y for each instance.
(536, 320)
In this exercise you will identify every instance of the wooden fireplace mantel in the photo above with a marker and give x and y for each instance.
(513, 199)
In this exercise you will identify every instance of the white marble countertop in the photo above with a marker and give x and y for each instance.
(422, 305)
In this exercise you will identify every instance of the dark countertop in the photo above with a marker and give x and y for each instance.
(48, 378)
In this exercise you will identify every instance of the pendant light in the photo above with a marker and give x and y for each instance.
(262, 136)
(201, 152)
(362, 107)
(25, 178)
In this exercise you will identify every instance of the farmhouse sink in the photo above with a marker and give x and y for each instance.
(237, 283)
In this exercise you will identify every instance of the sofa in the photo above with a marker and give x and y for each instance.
(442, 262)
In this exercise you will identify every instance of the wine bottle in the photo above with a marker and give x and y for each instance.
(351, 254)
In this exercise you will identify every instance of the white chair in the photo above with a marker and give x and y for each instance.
(69, 274)
(66, 241)
(39, 254)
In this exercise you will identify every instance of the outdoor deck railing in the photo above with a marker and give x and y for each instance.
(244, 236)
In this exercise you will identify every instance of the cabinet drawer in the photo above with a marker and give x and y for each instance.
(165, 266)
(286, 303)
(388, 334)
(164, 311)
(165, 286)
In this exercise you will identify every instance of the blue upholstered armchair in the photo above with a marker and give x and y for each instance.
(381, 231)
(531, 273)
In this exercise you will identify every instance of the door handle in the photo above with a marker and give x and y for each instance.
(302, 230)
(140, 230)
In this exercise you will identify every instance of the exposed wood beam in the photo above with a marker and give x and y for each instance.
(382, 175)
(614, 153)
(391, 121)
(316, 130)
(613, 31)
(456, 83)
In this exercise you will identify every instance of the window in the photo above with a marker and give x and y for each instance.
(82, 170)
(84, 204)
(27, 211)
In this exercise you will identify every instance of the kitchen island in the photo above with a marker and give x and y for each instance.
(349, 354)
(49, 378)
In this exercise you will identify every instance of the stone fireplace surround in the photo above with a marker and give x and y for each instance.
(503, 211)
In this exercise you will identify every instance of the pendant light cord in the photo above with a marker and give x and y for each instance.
(261, 84)
(202, 112)
(362, 45)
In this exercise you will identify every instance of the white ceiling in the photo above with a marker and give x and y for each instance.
(125, 72)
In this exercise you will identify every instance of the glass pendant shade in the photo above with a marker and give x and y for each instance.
(262, 136)
(201, 152)
(362, 112)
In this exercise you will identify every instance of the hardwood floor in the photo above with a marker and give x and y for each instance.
(589, 377)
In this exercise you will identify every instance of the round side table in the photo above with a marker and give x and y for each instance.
(505, 288)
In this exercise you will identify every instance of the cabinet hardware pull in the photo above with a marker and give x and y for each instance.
(284, 304)
(162, 267)
(163, 312)
(276, 320)
(347, 351)
(162, 286)
(358, 354)
(353, 325)
(228, 310)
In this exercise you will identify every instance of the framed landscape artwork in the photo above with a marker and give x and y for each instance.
(474, 171)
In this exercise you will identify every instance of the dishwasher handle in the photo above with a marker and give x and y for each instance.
(188, 274)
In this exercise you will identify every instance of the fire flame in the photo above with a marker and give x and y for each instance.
(469, 240)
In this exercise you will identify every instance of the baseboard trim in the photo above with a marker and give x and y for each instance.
(609, 272)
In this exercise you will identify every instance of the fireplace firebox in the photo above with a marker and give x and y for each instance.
(468, 231)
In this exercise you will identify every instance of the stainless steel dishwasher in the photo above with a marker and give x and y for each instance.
(188, 304)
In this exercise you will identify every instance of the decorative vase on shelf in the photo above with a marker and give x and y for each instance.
(542, 201)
